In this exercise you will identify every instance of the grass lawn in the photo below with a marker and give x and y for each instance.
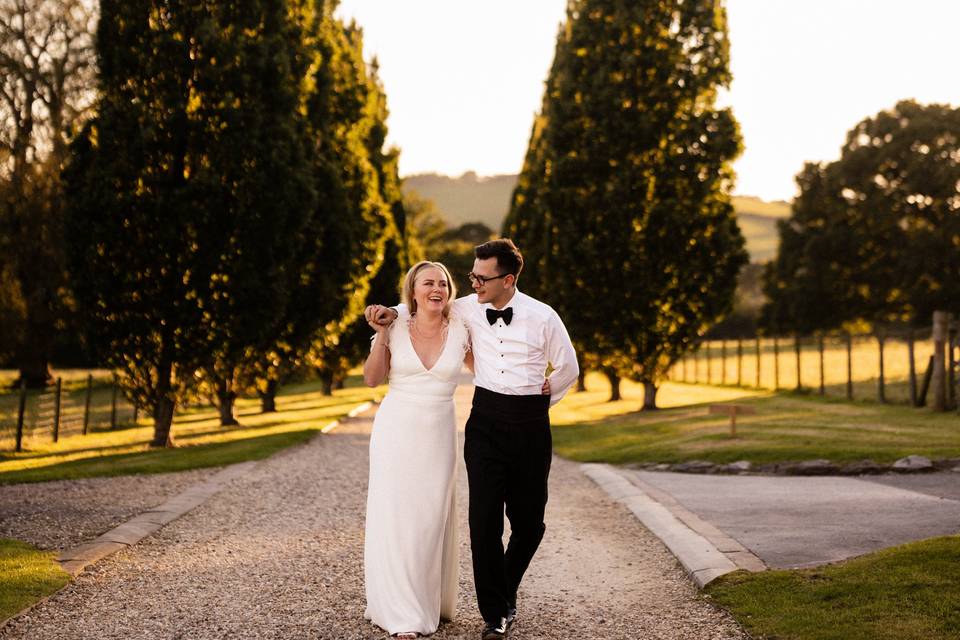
(787, 427)
(26, 575)
(910, 592)
(302, 410)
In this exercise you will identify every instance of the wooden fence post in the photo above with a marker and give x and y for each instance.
(758, 362)
(56, 410)
(913, 369)
(881, 392)
(951, 365)
(925, 385)
(86, 404)
(776, 363)
(849, 367)
(723, 361)
(940, 321)
(739, 361)
(823, 389)
(113, 407)
(796, 349)
(20, 411)
(709, 367)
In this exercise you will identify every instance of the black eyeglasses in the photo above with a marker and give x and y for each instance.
(474, 278)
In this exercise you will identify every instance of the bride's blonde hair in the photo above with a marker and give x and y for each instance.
(410, 280)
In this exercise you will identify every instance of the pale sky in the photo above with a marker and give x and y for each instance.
(464, 78)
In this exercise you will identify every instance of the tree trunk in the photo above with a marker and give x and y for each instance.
(268, 398)
(36, 374)
(582, 380)
(37, 265)
(338, 382)
(162, 423)
(614, 386)
(163, 407)
(33, 355)
(226, 412)
(326, 383)
(649, 396)
(225, 399)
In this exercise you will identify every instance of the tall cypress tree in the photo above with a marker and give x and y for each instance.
(346, 342)
(347, 229)
(260, 155)
(188, 191)
(623, 202)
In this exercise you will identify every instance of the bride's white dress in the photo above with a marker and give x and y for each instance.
(410, 549)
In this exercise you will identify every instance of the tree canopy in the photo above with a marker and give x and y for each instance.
(874, 236)
(622, 209)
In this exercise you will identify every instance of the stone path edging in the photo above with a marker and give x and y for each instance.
(75, 560)
(736, 552)
(699, 556)
(353, 413)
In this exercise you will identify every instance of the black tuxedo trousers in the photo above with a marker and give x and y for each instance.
(507, 450)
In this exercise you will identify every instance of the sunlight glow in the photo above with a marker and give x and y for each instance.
(464, 79)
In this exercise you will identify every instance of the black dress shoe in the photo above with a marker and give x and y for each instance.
(494, 630)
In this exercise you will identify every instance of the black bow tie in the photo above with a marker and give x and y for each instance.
(506, 314)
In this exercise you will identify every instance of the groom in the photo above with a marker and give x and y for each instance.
(508, 446)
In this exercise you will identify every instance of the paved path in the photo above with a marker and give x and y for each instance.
(791, 522)
(278, 554)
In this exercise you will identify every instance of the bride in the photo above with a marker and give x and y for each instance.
(410, 549)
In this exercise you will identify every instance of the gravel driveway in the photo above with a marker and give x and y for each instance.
(278, 554)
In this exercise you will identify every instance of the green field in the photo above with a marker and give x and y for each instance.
(910, 592)
(786, 427)
(302, 410)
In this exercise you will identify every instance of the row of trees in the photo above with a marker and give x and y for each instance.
(874, 237)
(622, 208)
(229, 204)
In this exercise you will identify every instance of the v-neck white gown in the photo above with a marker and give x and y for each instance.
(410, 549)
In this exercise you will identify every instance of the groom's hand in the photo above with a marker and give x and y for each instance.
(379, 317)
(545, 389)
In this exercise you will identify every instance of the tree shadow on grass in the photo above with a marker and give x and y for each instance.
(168, 460)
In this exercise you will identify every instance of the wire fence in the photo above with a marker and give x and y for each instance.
(31, 417)
(892, 366)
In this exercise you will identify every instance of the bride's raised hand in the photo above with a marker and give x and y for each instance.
(378, 317)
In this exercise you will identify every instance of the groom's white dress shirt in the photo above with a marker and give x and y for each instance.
(512, 359)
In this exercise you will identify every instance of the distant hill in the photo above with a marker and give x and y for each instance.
(472, 198)
(758, 222)
(468, 198)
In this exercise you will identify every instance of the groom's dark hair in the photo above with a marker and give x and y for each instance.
(509, 259)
